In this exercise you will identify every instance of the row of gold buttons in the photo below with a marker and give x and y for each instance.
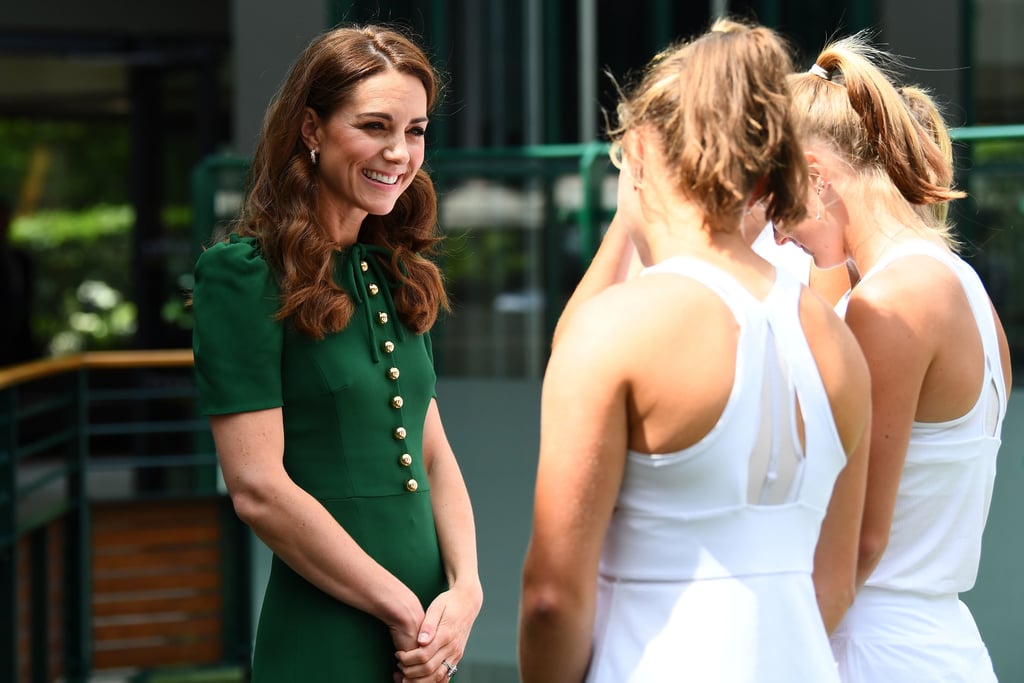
(405, 460)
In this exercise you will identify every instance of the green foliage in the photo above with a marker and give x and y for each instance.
(49, 229)
(86, 162)
(1002, 151)
(82, 263)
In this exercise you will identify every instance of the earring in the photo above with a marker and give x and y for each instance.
(821, 188)
(313, 156)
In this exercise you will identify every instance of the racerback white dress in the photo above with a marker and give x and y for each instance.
(907, 623)
(706, 568)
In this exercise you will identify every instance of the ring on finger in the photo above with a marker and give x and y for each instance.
(452, 668)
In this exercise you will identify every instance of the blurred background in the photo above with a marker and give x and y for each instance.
(125, 129)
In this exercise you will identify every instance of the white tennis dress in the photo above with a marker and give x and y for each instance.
(908, 624)
(705, 574)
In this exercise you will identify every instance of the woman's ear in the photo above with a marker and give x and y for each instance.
(635, 155)
(310, 129)
(817, 169)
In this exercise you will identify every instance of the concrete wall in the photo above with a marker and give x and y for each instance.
(932, 40)
(268, 35)
(997, 599)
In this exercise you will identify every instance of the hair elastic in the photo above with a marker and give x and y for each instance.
(820, 72)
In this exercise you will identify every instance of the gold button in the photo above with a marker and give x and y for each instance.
(405, 460)
(411, 486)
(373, 289)
(364, 266)
(382, 318)
(393, 373)
(388, 346)
(399, 433)
(396, 402)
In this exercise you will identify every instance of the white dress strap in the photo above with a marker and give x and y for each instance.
(979, 302)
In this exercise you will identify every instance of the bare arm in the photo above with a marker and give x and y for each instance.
(845, 374)
(449, 618)
(835, 557)
(898, 356)
(582, 455)
(614, 262)
(299, 529)
(830, 283)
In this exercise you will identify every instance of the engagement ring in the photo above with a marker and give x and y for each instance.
(451, 669)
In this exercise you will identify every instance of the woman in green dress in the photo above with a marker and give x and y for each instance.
(314, 364)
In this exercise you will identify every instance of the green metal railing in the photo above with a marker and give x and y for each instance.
(63, 424)
(510, 275)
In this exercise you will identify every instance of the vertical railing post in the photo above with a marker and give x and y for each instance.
(78, 564)
(591, 210)
(8, 535)
(39, 598)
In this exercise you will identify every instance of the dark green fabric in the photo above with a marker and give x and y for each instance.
(340, 446)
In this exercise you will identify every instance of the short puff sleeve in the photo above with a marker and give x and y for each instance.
(236, 341)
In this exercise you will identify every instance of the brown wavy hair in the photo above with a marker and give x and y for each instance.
(720, 107)
(857, 111)
(280, 208)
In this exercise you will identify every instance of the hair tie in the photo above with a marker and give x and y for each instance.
(820, 72)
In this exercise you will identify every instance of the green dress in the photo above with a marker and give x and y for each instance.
(353, 407)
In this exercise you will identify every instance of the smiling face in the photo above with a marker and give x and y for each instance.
(370, 149)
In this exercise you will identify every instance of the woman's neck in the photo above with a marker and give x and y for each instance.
(341, 227)
(683, 229)
(869, 240)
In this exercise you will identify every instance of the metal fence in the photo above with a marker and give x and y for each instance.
(521, 224)
(114, 536)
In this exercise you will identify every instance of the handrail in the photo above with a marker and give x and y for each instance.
(987, 132)
(26, 372)
(47, 506)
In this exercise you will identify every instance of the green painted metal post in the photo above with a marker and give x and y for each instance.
(203, 217)
(771, 14)
(552, 259)
(8, 539)
(660, 23)
(590, 211)
(967, 59)
(552, 73)
(438, 37)
(40, 602)
(862, 14)
(78, 560)
(237, 617)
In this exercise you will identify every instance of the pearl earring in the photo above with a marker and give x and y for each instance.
(313, 156)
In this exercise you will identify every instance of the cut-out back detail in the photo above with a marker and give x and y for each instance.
(710, 549)
(776, 461)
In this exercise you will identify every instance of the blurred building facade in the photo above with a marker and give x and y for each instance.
(193, 77)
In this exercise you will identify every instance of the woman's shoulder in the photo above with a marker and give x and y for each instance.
(235, 271)
(234, 253)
